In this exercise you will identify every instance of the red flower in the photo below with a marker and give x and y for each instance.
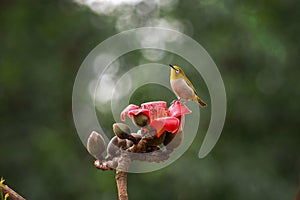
(158, 115)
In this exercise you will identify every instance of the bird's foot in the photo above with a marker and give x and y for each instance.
(173, 101)
(180, 100)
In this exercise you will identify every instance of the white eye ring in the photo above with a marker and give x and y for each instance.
(177, 71)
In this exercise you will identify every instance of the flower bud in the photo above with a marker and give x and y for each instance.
(140, 120)
(96, 145)
(123, 132)
(113, 147)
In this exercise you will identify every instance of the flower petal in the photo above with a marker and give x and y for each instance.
(178, 109)
(170, 124)
(154, 104)
(157, 109)
(138, 111)
(127, 109)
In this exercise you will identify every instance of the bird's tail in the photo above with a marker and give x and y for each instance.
(200, 102)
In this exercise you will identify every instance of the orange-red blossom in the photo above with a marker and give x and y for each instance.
(159, 116)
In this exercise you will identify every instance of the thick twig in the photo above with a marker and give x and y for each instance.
(121, 176)
(112, 163)
(121, 179)
(12, 194)
(107, 164)
(122, 163)
(121, 153)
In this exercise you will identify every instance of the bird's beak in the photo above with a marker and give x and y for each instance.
(172, 66)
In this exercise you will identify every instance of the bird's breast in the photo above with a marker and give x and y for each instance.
(182, 89)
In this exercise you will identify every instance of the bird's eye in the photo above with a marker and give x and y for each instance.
(177, 70)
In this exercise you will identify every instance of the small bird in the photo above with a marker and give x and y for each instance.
(183, 87)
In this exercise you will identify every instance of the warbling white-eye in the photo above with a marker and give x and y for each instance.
(182, 86)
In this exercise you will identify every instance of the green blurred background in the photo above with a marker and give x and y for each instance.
(255, 44)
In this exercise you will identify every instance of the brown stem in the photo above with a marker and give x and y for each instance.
(121, 175)
(121, 179)
(12, 194)
(120, 156)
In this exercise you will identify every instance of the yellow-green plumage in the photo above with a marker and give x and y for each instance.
(182, 86)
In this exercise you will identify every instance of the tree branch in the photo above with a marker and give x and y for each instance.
(12, 194)
(120, 153)
(121, 175)
(121, 179)
(122, 162)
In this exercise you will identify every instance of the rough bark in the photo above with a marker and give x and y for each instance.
(12, 194)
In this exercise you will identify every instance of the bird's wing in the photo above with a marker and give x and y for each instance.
(191, 85)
